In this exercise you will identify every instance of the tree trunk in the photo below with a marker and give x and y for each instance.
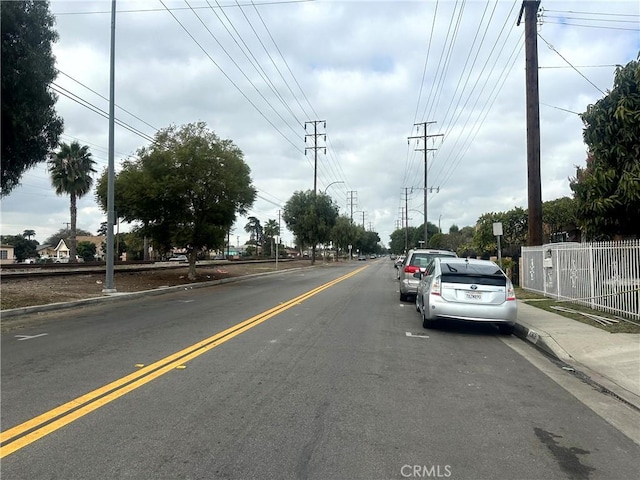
(72, 234)
(192, 265)
(313, 255)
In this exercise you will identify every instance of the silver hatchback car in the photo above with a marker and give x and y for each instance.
(409, 270)
(467, 289)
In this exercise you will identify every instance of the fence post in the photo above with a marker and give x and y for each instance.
(592, 287)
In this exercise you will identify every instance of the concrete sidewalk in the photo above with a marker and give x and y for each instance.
(610, 360)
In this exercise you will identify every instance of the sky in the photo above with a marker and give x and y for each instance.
(257, 72)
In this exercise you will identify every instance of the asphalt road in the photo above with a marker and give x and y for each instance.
(338, 382)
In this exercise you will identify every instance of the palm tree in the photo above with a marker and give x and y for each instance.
(254, 228)
(28, 234)
(271, 230)
(70, 171)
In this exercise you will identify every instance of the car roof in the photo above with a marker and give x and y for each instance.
(418, 251)
(470, 261)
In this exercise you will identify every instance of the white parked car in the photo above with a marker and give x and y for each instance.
(466, 289)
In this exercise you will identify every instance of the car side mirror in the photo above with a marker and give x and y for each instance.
(417, 275)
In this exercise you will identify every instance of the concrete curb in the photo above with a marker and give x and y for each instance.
(542, 341)
(547, 345)
(111, 297)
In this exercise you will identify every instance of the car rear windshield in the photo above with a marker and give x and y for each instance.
(423, 259)
(469, 274)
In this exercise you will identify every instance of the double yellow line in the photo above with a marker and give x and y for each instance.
(32, 430)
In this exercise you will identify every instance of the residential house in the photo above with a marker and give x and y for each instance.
(6, 254)
(46, 251)
(62, 251)
(96, 240)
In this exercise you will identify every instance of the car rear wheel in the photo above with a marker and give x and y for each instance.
(426, 322)
(505, 329)
(403, 297)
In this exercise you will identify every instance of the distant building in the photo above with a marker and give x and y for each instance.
(7, 254)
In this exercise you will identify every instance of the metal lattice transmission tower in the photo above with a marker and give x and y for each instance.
(315, 147)
(426, 150)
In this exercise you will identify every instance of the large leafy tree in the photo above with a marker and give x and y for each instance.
(345, 233)
(70, 171)
(514, 228)
(185, 189)
(30, 125)
(369, 241)
(310, 217)
(607, 189)
(559, 217)
(23, 248)
(64, 234)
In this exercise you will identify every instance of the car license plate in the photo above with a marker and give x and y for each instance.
(474, 296)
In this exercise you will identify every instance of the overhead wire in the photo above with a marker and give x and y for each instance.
(72, 96)
(262, 114)
(551, 47)
(143, 10)
(105, 98)
(339, 175)
(440, 72)
(472, 92)
(484, 112)
(239, 69)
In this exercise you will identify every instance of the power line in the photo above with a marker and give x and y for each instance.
(594, 13)
(239, 68)
(567, 24)
(590, 19)
(105, 98)
(229, 78)
(72, 96)
(569, 63)
(283, 2)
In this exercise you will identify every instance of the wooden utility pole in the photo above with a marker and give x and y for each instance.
(315, 147)
(426, 150)
(530, 9)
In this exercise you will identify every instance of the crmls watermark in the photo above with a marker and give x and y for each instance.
(426, 471)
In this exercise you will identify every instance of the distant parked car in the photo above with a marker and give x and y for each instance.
(361, 258)
(466, 289)
(179, 258)
(409, 270)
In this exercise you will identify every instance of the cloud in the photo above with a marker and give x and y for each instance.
(370, 69)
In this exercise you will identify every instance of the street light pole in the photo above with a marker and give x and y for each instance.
(109, 287)
(332, 183)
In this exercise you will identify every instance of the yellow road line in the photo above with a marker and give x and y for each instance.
(64, 414)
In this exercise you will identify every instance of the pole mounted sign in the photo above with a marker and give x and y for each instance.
(497, 231)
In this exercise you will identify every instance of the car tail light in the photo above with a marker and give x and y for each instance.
(411, 269)
(435, 286)
(511, 293)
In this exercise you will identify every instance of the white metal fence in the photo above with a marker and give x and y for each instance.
(604, 275)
